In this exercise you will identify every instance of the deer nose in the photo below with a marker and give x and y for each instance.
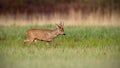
(64, 34)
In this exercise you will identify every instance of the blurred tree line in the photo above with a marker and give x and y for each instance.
(60, 6)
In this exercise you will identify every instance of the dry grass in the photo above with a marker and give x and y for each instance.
(93, 19)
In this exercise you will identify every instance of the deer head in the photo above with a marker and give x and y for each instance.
(60, 28)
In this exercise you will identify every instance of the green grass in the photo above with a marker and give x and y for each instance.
(81, 47)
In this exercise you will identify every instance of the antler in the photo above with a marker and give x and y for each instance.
(58, 26)
(61, 23)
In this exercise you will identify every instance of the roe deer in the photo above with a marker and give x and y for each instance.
(44, 34)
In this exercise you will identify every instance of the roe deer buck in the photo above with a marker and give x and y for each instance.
(44, 34)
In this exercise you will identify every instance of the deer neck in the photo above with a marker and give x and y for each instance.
(55, 32)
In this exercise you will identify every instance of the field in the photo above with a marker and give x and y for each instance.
(81, 47)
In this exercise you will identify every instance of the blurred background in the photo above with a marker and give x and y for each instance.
(72, 12)
(92, 30)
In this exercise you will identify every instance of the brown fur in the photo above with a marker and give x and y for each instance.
(44, 34)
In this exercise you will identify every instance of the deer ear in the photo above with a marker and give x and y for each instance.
(61, 23)
(57, 26)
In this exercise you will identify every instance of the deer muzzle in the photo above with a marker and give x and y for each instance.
(64, 34)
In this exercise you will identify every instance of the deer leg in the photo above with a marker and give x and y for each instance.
(35, 41)
(31, 40)
(26, 41)
(48, 43)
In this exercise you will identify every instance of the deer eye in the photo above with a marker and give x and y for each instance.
(62, 29)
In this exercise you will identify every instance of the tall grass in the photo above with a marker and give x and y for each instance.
(85, 47)
(75, 34)
(73, 18)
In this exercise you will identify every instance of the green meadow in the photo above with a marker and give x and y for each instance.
(81, 47)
